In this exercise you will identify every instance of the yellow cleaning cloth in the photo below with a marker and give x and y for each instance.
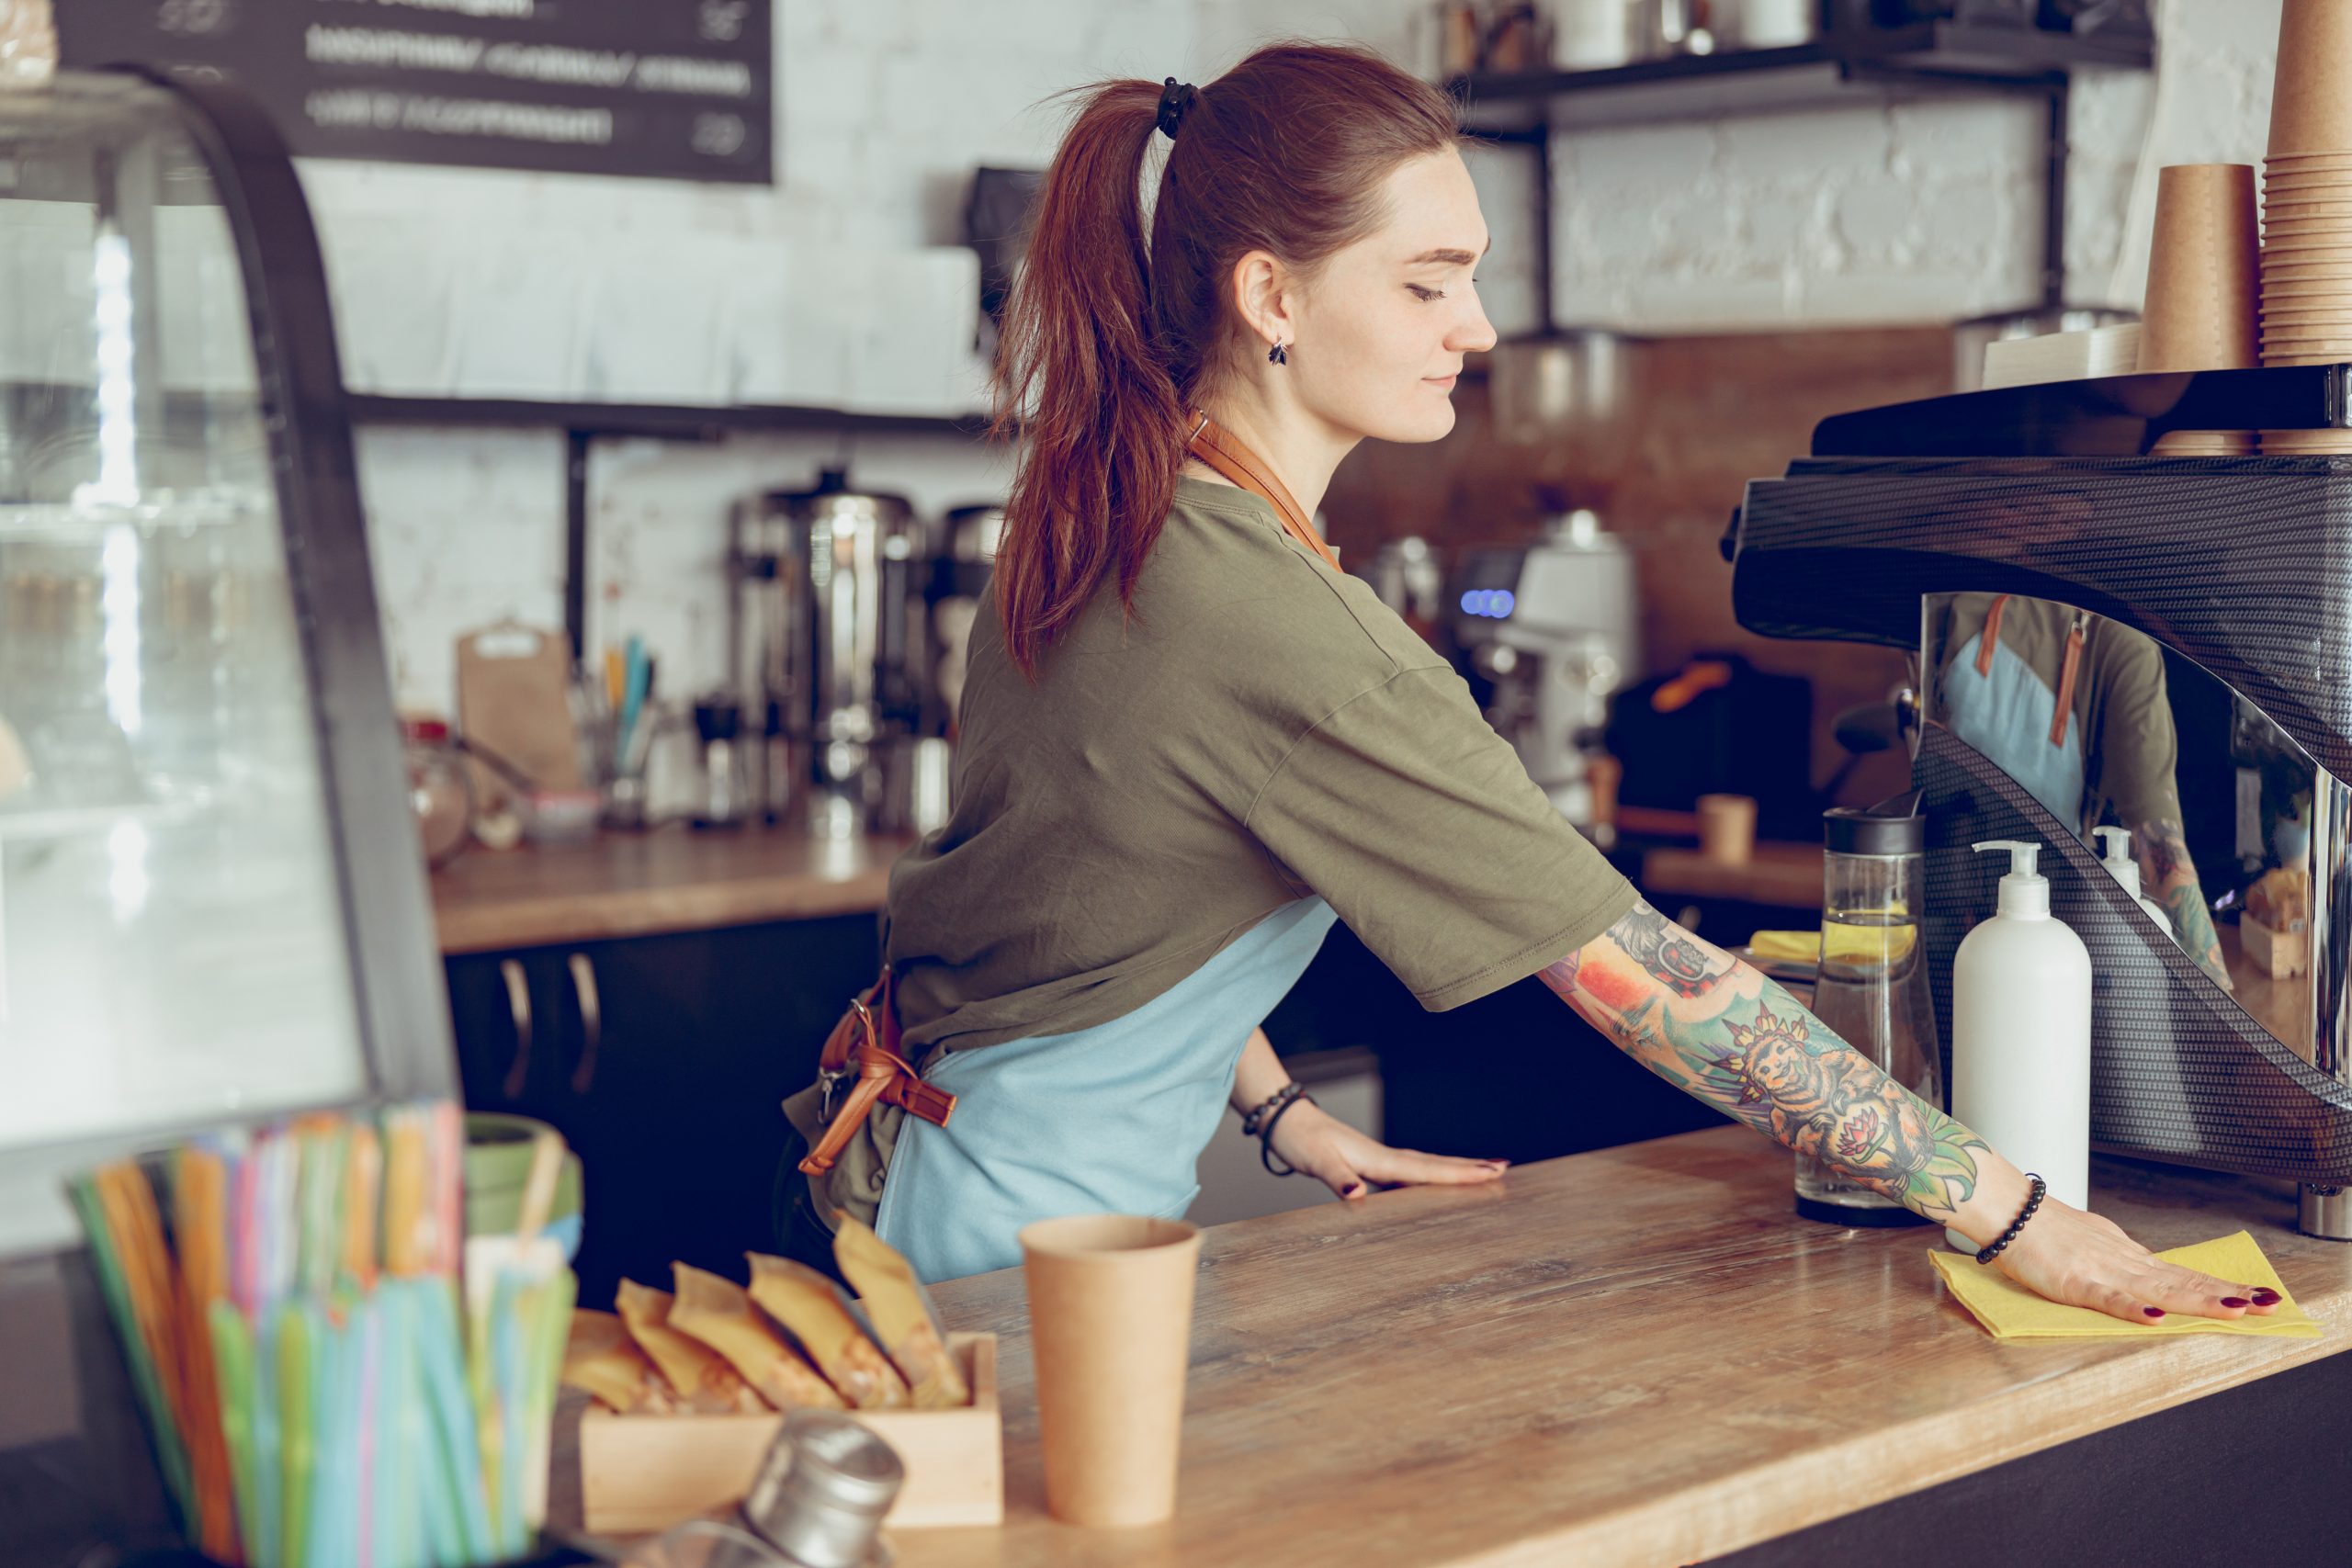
(1854, 947)
(2012, 1312)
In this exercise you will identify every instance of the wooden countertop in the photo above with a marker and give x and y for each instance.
(1788, 875)
(671, 878)
(1636, 1356)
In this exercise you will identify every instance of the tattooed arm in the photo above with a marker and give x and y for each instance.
(1718, 1029)
(2170, 878)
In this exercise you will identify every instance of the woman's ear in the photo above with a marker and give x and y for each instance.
(1261, 297)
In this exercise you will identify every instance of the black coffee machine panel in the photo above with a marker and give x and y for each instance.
(2187, 622)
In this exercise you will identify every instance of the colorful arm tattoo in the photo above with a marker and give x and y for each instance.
(1719, 1031)
(2170, 878)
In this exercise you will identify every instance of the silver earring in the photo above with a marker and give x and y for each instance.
(1276, 356)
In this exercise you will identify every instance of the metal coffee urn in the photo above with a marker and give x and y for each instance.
(827, 637)
(2187, 626)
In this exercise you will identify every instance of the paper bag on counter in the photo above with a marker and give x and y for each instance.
(904, 1319)
(718, 1312)
(704, 1379)
(600, 1358)
(813, 1313)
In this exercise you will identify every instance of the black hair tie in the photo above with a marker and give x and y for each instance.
(1175, 101)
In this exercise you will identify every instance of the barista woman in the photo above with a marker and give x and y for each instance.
(1190, 743)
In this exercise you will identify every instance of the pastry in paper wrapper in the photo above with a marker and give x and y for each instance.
(812, 1312)
(903, 1317)
(718, 1312)
(600, 1358)
(703, 1378)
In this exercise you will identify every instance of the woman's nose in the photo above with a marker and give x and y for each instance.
(1475, 335)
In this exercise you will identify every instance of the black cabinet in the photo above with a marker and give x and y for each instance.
(663, 1060)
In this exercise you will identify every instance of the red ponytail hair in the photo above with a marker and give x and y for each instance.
(1105, 345)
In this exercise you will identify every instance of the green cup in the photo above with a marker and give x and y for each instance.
(498, 1163)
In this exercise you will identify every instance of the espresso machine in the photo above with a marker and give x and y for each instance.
(1554, 626)
(2216, 588)
(826, 590)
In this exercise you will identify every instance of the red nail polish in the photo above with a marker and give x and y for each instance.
(2234, 1302)
(2154, 1312)
(2265, 1296)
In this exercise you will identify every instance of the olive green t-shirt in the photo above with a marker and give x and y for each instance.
(1261, 728)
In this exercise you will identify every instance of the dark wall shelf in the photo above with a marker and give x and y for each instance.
(666, 421)
(1845, 65)
(583, 424)
(1924, 59)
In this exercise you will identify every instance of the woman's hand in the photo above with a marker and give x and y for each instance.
(1320, 1145)
(2079, 1258)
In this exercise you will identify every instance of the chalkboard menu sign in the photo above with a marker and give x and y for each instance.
(661, 89)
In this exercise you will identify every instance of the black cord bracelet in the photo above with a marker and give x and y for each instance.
(2039, 1186)
(1266, 1134)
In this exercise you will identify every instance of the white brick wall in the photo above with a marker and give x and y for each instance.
(1925, 211)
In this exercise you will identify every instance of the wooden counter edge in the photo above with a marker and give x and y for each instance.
(1829, 1482)
(490, 925)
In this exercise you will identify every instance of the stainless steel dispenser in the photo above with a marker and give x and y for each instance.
(2203, 608)
(826, 624)
(958, 586)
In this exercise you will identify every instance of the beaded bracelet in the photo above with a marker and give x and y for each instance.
(1251, 1119)
(2031, 1203)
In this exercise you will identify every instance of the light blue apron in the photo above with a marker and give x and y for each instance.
(1107, 1120)
(2005, 716)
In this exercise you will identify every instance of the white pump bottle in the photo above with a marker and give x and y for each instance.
(2116, 843)
(2021, 1036)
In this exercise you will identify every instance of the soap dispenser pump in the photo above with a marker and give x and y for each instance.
(2116, 844)
(2021, 1036)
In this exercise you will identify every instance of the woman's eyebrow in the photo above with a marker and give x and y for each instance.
(1452, 258)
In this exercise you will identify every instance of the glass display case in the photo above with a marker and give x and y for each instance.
(212, 907)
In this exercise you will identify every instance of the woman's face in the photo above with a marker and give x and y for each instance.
(1380, 331)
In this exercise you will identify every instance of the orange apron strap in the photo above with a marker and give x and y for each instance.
(866, 1041)
(1224, 451)
(2067, 670)
(1989, 639)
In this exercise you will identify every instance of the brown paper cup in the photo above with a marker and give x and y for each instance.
(2306, 163)
(2198, 314)
(1111, 1320)
(1727, 828)
(2310, 98)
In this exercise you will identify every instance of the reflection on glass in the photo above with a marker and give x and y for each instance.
(2106, 729)
(171, 946)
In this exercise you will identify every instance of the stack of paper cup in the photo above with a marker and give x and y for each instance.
(2199, 313)
(2307, 204)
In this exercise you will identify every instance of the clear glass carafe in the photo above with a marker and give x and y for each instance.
(1872, 986)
